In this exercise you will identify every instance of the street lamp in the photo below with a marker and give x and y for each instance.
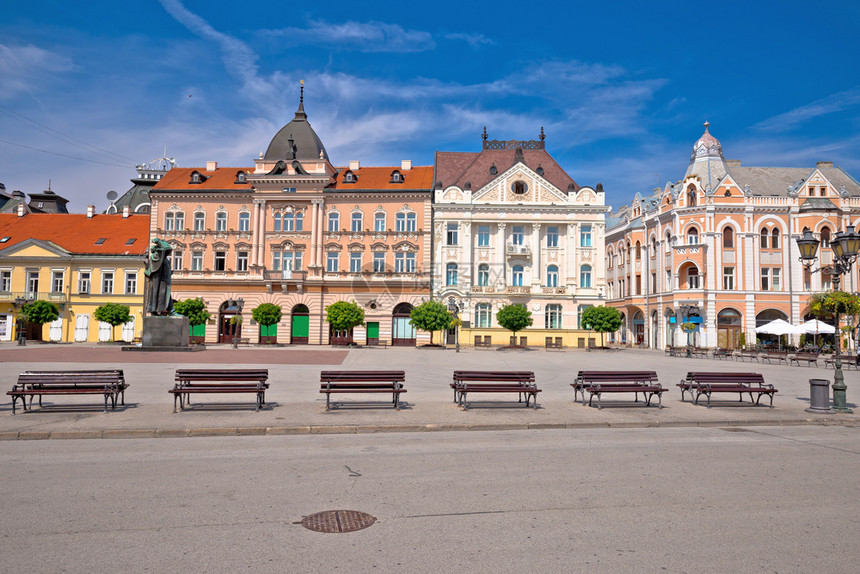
(845, 246)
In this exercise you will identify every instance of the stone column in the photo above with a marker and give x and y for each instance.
(255, 233)
(320, 233)
(536, 262)
(501, 253)
(314, 229)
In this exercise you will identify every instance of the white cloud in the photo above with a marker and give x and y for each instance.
(828, 105)
(22, 67)
(474, 40)
(361, 36)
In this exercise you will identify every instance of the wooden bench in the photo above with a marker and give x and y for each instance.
(775, 356)
(598, 348)
(707, 383)
(109, 384)
(598, 382)
(721, 353)
(218, 381)
(848, 361)
(673, 351)
(520, 382)
(699, 352)
(359, 382)
(549, 344)
(750, 354)
(809, 358)
(377, 343)
(485, 343)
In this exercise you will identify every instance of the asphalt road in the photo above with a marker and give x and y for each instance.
(763, 499)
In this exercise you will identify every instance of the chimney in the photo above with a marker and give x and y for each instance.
(126, 211)
(91, 209)
(406, 165)
(20, 210)
(824, 164)
(354, 164)
(211, 165)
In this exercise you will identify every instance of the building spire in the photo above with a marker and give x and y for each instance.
(300, 113)
(542, 135)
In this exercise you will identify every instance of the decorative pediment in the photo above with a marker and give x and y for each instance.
(333, 247)
(355, 246)
(36, 248)
(379, 246)
(519, 184)
(405, 246)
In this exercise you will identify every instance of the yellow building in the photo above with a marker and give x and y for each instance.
(78, 261)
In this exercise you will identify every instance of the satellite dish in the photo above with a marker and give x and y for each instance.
(112, 195)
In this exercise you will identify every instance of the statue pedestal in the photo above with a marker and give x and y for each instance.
(165, 334)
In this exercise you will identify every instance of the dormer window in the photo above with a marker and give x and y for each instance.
(493, 169)
(539, 170)
(396, 177)
(349, 177)
(240, 177)
(196, 177)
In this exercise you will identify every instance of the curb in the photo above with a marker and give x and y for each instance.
(430, 427)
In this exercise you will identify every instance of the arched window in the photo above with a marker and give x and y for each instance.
(517, 276)
(692, 278)
(244, 221)
(763, 238)
(653, 247)
(334, 221)
(483, 315)
(483, 274)
(240, 177)
(451, 274)
(585, 276)
(552, 276)
(396, 177)
(552, 316)
(728, 238)
(638, 251)
(692, 236)
(356, 222)
(774, 238)
(825, 237)
(221, 221)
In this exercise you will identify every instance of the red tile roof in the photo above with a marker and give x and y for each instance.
(456, 168)
(222, 178)
(419, 177)
(77, 233)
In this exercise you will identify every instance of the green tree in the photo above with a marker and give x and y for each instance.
(267, 314)
(601, 319)
(113, 314)
(343, 315)
(514, 318)
(431, 316)
(40, 312)
(194, 309)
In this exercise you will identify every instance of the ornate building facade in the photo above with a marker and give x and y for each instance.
(511, 226)
(717, 248)
(296, 231)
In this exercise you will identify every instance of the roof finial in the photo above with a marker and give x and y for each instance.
(542, 135)
(302, 93)
(707, 123)
(484, 135)
(300, 113)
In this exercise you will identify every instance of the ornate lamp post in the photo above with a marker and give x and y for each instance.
(845, 246)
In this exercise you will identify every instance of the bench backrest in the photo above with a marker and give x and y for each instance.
(187, 375)
(711, 377)
(494, 376)
(587, 377)
(362, 376)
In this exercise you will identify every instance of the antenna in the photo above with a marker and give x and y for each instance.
(112, 195)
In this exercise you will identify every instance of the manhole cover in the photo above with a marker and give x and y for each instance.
(337, 521)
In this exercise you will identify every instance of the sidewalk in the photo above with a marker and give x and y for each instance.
(295, 405)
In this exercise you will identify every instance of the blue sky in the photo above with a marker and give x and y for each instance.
(621, 88)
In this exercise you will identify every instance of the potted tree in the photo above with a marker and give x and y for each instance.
(114, 314)
(602, 320)
(431, 316)
(514, 318)
(195, 310)
(343, 317)
(268, 315)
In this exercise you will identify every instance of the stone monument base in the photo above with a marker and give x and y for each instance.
(165, 334)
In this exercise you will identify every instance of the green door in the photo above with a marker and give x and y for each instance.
(300, 329)
(372, 333)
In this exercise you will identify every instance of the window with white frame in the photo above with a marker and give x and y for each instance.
(728, 278)
(57, 282)
(483, 315)
(552, 236)
(379, 221)
(331, 261)
(774, 238)
(357, 220)
(176, 262)
(379, 261)
(107, 282)
(334, 221)
(411, 221)
(400, 222)
(483, 274)
(199, 221)
(452, 236)
(585, 276)
(552, 316)
(517, 234)
(241, 261)
(483, 236)
(775, 277)
(552, 276)
(5, 281)
(131, 283)
(299, 220)
(585, 236)
(517, 276)
(244, 221)
(400, 262)
(220, 261)
(83, 282)
(286, 260)
(355, 262)
(451, 274)
(692, 236)
(169, 221)
(410, 262)
(692, 278)
(197, 261)
(221, 221)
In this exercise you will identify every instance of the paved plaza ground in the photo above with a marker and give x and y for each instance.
(296, 406)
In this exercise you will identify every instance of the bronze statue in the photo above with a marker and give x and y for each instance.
(158, 299)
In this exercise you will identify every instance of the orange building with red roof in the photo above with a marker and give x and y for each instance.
(298, 232)
(77, 261)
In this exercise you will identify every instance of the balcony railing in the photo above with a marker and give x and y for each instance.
(510, 290)
(25, 296)
(518, 249)
(286, 275)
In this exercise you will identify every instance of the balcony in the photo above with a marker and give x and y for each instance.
(510, 290)
(285, 275)
(21, 297)
(518, 249)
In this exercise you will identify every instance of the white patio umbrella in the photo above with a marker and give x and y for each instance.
(816, 327)
(779, 327)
